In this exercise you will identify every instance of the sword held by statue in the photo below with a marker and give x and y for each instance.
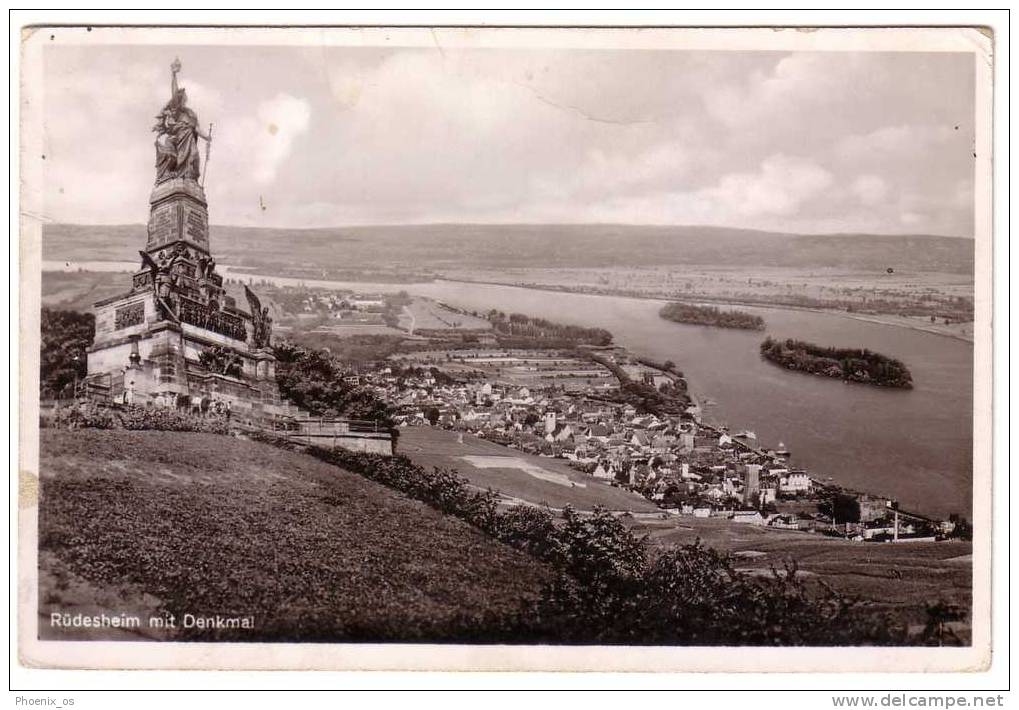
(208, 149)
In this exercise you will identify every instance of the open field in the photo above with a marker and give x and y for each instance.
(347, 330)
(157, 523)
(426, 314)
(517, 368)
(78, 290)
(949, 294)
(899, 578)
(536, 480)
(724, 281)
(905, 297)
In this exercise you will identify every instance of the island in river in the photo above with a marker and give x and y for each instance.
(709, 315)
(848, 364)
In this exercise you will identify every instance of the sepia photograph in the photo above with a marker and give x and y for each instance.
(571, 346)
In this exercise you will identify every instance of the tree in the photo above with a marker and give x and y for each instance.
(937, 631)
(64, 338)
(841, 508)
(963, 528)
(432, 414)
(313, 380)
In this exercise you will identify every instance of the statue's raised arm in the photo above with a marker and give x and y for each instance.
(174, 68)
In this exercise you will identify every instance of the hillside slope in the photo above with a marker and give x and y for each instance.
(515, 474)
(160, 523)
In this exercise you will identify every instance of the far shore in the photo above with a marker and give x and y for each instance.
(948, 331)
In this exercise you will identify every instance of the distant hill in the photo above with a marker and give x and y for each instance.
(444, 246)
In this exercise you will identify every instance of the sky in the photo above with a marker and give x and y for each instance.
(808, 142)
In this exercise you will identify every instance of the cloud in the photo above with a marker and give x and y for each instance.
(893, 143)
(252, 147)
(870, 189)
(829, 141)
(779, 187)
(279, 121)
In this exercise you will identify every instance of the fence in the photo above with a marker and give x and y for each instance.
(358, 435)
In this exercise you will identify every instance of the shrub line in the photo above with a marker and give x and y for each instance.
(609, 587)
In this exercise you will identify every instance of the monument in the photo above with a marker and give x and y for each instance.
(177, 338)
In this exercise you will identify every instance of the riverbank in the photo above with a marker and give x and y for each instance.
(957, 331)
(963, 331)
(914, 446)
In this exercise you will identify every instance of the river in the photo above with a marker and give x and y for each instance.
(913, 445)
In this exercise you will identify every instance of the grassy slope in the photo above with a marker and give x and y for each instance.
(161, 521)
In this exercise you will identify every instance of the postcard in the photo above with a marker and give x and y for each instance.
(464, 348)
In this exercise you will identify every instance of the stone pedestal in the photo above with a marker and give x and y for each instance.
(176, 336)
(178, 212)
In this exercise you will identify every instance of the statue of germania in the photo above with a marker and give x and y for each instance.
(177, 130)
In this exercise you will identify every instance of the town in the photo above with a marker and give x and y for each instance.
(566, 404)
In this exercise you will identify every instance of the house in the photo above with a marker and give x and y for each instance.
(562, 433)
(641, 473)
(715, 492)
(657, 381)
(550, 422)
(784, 522)
(687, 475)
(797, 482)
(753, 517)
(640, 439)
(872, 508)
(661, 444)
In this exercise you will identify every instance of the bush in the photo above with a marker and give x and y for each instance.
(313, 380)
(525, 329)
(95, 416)
(609, 585)
(64, 339)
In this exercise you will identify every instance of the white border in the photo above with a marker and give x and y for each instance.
(700, 659)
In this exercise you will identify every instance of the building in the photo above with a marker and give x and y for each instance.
(175, 337)
(751, 482)
(752, 517)
(795, 482)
